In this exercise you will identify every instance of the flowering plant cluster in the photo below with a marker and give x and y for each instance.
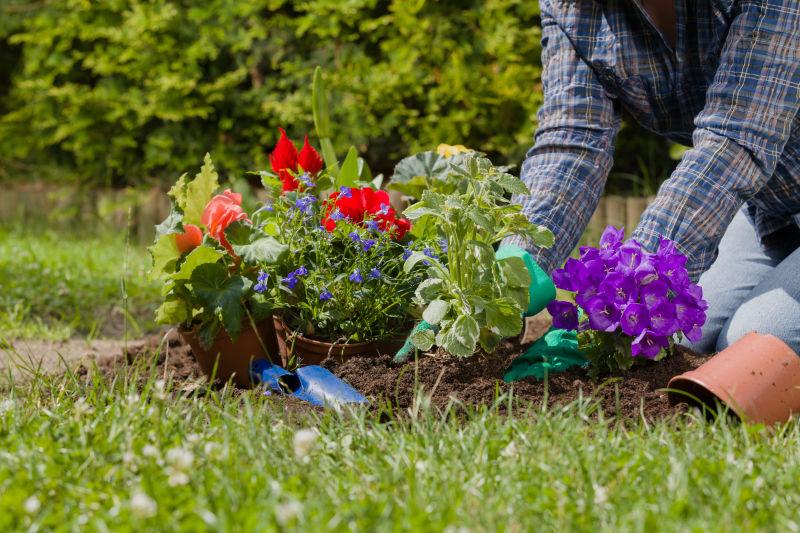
(630, 303)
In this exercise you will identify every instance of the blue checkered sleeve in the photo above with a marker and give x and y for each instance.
(739, 136)
(567, 167)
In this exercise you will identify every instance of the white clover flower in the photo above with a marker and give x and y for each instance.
(81, 407)
(304, 441)
(32, 505)
(510, 450)
(180, 458)
(150, 451)
(347, 441)
(176, 477)
(6, 406)
(142, 505)
(288, 511)
(128, 458)
(132, 399)
(193, 438)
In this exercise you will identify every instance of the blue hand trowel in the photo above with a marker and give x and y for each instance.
(312, 384)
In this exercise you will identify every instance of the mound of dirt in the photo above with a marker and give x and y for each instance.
(471, 381)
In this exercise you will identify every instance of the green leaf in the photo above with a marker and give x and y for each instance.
(513, 184)
(364, 173)
(435, 312)
(448, 340)
(178, 191)
(319, 106)
(348, 175)
(515, 272)
(264, 250)
(207, 332)
(423, 339)
(329, 155)
(172, 224)
(173, 311)
(429, 289)
(429, 165)
(414, 187)
(480, 219)
(466, 330)
(220, 294)
(199, 191)
(504, 317)
(165, 256)
(199, 256)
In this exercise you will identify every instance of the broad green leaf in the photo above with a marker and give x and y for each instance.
(504, 317)
(178, 191)
(348, 175)
(172, 224)
(489, 341)
(240, 232)
(414, 187)
(541, 236)
(199, 191)
(429, 289)
(263, 250)
(513, 184)
(423, 339)
(480, 219)
(435, 312)
(364, 173)
(448, 340)
(199, 256)
(220, 294)
(173, 311)
(329, 155)
(429, 165)
(165, 256)
(466, 330)
(418, 211)
(515, 272)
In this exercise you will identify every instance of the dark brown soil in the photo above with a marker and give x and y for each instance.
(445, 379)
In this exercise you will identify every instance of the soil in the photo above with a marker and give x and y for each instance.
(447, 380)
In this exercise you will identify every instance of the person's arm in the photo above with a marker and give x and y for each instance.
(567, 167)
(739, 136)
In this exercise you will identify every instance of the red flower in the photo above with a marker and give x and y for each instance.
(309, 159)
(189, 239)
(284, 161)
(222, 211)
(357, 204)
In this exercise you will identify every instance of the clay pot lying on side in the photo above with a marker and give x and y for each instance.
(233, 359)
(302, 351)
(757, 377)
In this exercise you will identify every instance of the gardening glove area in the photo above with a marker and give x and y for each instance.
(556, 352)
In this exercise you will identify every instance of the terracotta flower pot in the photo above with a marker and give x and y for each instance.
(233, 359)
(757, 377)
(304, 351)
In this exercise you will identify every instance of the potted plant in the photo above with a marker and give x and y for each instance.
(342, 289)
(204, 254)
(631, 304)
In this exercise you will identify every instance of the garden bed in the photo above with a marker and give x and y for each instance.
(470, 381)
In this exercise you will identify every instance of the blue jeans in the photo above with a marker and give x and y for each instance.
(750, 288)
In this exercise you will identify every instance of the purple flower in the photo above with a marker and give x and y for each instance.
(345, 192)
(304, 203)
(367, 244)
(261, 285)
(374, 273)
(429, 252)
(662, 319)
(686, 313)
(290, 281)
(384, 209)
(589, 253)
(648, 344)
(337, 215)
(354, 236)
(573, 277)
(629, 257)
(372, 225)
(302, 271)
(603, 315)
(356, 276)
(325, 295)
(407, 253)
(565, 315)
(645, 273)
(634, 319)
(672, 270)
(618, 288)
(653, 294)
(306, 179)
(695, 333)
(611, 239)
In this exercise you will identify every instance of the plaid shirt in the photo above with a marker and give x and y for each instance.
(730, 88)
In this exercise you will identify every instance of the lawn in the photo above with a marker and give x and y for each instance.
(89, 454)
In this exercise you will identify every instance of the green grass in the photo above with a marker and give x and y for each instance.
(56, 285)
(97, 457)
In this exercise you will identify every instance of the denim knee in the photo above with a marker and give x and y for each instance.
(774, 312)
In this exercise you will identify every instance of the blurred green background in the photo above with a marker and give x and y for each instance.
(134, 92)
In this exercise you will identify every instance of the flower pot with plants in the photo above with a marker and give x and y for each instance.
(204, 254)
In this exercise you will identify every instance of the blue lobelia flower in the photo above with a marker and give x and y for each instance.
(306, 179)
(345, 192)
(290, 281)
(337, 215)
(325, 295)
(304, 203)
(384, 210)
(354, 236)
(375, 273)
(302, 271)
(356, 276)
(373, 226)
(367, 244)
(261, 286)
